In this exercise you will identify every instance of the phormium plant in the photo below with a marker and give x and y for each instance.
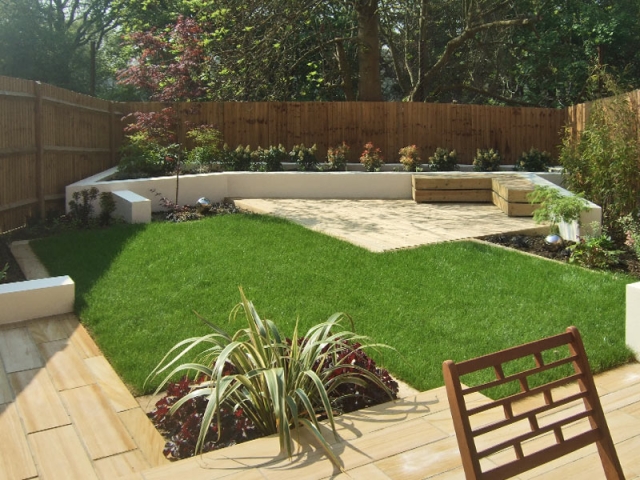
(270, 383)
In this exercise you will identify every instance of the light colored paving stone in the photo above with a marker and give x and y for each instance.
(6, 395)
(49, 329)
(381, 225)
(148, 439)
(127, 465)
(98, 425)
(38, 402)
(60, 455)
(18, 350)
(80, 338)
(16, 462)
(110, 383)
(66, 368)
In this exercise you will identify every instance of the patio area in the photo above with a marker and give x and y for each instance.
(66, 414)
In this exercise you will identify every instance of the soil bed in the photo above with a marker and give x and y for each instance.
(534, 244)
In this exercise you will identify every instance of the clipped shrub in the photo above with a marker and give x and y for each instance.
(338, 157)
(268, 160)
(409, 158)
(443, 160)
(256, 383)
(533, 161)
(487, 160)
(236, 160)
(107, 207)
(81, 206)
(304, 157)
(142, 155)
(371, 158)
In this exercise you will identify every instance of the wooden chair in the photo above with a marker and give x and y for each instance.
(511, 435)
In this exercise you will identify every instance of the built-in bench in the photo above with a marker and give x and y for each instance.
(507, 192)
(131, 207)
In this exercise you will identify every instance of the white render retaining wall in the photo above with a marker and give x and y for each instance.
(20, 301)
(305, 185)
(633, 318)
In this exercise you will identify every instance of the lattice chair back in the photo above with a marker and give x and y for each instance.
(541, 422)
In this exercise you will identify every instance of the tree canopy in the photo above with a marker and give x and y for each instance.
(513, 52)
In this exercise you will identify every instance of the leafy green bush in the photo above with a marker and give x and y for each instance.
(594, 251)
(371, 158)
(533, 161)
(208, 145)
(277, 383)
(409, 158)
(555, 207)
(237, 160)
(443, 160)
(631, 228)
(141, 155)
(268, 160)
(107, 207)
(603, 162)
(305, 158)
(81, 206)
(337, 157)
(487, 160)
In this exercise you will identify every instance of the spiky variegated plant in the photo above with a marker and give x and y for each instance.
(277, 383)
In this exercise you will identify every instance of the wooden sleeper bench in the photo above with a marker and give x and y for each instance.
(507, 192)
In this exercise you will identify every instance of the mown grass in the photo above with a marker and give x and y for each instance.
(138, 286)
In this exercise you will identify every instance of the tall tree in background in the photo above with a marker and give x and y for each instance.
(50, 40)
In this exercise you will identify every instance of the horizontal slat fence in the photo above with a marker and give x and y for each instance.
(51, 137)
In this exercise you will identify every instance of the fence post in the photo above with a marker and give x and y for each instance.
(37, 119)
(112, 140)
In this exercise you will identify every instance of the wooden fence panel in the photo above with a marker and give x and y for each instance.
(75, 136)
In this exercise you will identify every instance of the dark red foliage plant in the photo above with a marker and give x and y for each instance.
(181, 429)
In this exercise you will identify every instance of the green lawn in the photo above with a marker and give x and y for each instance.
(137, 288)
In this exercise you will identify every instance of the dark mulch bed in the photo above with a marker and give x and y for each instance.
(535, 245)
(14, 274)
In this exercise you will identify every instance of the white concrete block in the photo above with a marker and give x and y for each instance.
(32, 299)
(633, 318)
(131, 207)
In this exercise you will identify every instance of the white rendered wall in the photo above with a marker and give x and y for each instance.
(633, 318)
(32, 299)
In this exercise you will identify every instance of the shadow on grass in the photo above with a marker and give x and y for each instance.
(108, 242)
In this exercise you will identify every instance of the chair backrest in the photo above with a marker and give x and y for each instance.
(506, 437)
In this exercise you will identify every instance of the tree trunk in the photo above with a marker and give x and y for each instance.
(369, 85)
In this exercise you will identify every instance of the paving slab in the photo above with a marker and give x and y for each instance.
(382, 225)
